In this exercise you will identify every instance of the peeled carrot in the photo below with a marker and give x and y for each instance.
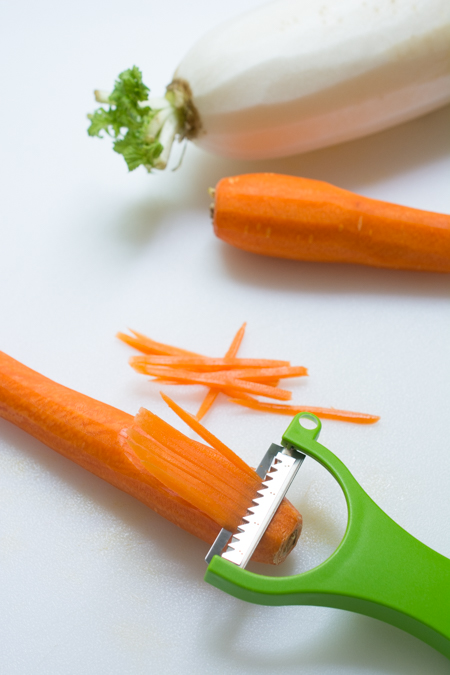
(286, 409)
(143, 456)
(303, 219)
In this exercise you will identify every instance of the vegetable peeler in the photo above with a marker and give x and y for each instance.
(378, 569)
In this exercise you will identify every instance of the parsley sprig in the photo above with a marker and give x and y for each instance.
(127, 121)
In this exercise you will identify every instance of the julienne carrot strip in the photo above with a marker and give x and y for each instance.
(207, 402)
(99, 438)
(161, 355)
(147, 346)
(262, 374)
(166, 380)
(207, 436)
(142, 365)
(172, 463)
(206, 364)
(213, 394)
(255, 371)
(210, 459)
(198, 492)
(195, 469)
(271, 381)
(223, 380)
(327, 413)
(304, 219)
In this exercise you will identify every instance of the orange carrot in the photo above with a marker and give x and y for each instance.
(303, 219)
(213, 393)
(143, 456)
(283, 409)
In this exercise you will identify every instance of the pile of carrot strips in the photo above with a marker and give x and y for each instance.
(239, 379)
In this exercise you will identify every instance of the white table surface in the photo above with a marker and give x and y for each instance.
(91, 581)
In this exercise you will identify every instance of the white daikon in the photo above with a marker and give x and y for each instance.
(288, 77)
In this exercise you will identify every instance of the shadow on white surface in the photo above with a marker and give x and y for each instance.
(291, 276)
(313, 638)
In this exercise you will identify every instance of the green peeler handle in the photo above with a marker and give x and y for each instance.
(378, 569)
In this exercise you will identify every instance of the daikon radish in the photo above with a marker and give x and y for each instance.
(288, 77)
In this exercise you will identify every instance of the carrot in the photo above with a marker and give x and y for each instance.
(328, 413)
(142, 456)
(213, 393)
(303, 219)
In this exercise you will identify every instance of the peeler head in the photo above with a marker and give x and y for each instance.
(226, 567)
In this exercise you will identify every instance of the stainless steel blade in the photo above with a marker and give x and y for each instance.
(224, 535)
(281, 473)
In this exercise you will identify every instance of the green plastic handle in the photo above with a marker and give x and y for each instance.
(378, 569)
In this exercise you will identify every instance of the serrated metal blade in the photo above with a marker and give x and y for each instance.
(281, 473)
(263, 470)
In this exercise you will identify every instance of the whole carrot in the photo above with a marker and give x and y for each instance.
(303, 219)
(145, 457)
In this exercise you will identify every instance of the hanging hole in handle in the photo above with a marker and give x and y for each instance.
(309, 421)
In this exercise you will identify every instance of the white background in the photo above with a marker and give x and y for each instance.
(91, 581)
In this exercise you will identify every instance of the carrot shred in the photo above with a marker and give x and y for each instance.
(201, 495)
(206, 364)
(146, 345)
(213, 393)
(172, 462)
(263, 374)
(328, 413)
(212, 481)
(207, 436)
(239, 379)
(142, 365)
(223, 379)
(212, 459)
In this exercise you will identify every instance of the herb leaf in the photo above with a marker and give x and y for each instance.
(127, 121)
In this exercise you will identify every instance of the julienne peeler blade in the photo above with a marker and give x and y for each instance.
(278, 468)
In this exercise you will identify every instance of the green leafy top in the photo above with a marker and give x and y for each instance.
(128, 122)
